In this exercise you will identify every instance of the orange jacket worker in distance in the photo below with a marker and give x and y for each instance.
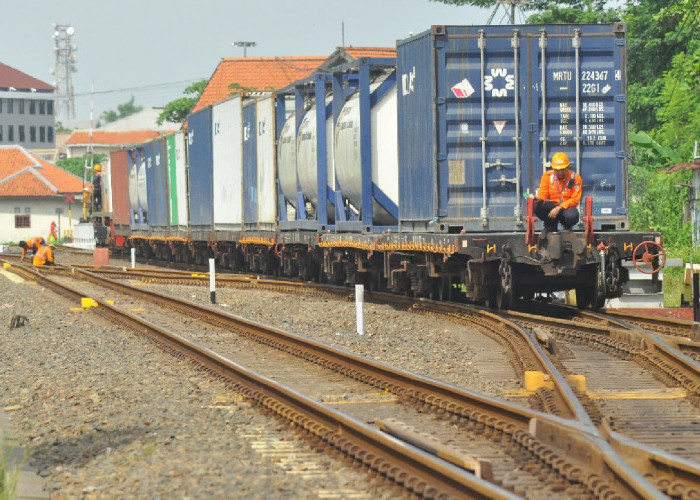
(32, 244)
(44, 256)
(558, 195)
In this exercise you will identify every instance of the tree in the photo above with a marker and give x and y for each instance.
(77, 165)
(555, 12)
(123, 110)
(176, 111)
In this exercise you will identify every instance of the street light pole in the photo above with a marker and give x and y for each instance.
(245, 46)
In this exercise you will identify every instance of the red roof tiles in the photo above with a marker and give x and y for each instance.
(259, 74)
(11, 77)
(111, 138)
(23, 174)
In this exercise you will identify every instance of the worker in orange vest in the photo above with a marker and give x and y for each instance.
(558, 195)
(44, 256)
(32, 244)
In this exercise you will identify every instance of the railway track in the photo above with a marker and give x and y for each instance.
(482, 424)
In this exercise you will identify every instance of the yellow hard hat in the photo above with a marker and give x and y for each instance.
(560, 161)
(97, 168)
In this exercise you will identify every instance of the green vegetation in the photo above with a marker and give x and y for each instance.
(9, 475)
(78, 165)
(123, 110)
(176, 111)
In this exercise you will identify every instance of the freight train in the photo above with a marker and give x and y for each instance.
(414, 174)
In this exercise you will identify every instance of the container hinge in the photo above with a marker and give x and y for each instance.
(439, 44)
(503, 180)
(441, 156)
(484, 216)
(621, 154)
(442, 213)
(440, 100)
(621, 98)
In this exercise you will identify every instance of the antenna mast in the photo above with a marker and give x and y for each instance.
(64, 68)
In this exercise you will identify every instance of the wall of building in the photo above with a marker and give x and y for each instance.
(21, 105)
(43, 211)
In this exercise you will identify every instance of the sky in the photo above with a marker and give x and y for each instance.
(153, 49)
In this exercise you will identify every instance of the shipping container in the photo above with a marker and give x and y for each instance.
(227, 164)
(250, 165)
(481, 110)
(266, 182)
(200, 171)
(177, 181)
(156, 184)
(119, 182)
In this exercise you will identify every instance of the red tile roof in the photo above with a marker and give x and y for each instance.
(11, 77)
(24, 174)
(257, 73)
(357, 52)
(108, 138)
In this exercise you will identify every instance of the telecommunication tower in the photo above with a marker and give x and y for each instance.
(64, 69)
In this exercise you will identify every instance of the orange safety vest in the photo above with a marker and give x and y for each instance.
(32, 244)
(43, 255)
(566, 193)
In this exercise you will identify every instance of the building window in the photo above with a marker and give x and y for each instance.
(0, 133)
(1, 105)
(21, 106)
(49, 107)
(21, 132)
(10, 133)
(42, 107)
(42, 134)
(23, 221)
(32, 134)
(32, 107)
(49, 134)
(10, 106)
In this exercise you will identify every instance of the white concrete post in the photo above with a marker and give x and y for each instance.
(212, 281)
(133, 258)
(359, 300)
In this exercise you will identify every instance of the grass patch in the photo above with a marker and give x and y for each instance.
(9, 472)
(674, 286)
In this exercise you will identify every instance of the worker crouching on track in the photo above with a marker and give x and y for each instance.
(44, 256)
(32, 244)
(558, 195)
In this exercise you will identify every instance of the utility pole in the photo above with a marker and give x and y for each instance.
(245, 46)
(63, 70)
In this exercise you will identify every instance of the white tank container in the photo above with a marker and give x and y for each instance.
(133, 188)
(141, 184)
(307, 169)
(287, 161)
(385, 162)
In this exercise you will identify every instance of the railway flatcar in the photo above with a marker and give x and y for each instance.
(414, 174)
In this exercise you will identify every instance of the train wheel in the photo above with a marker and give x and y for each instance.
(505, 292)
(593, 296)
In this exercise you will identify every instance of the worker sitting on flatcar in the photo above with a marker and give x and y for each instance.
(32, 244)
(558, 195)
(44, 256)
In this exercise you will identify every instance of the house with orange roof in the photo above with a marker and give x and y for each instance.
(106, 141)
(33, 194)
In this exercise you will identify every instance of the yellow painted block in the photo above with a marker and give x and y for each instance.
(535, 379)
(76, 309)
(87, 302)
(5, 265)
(577, 381)
(110, 301)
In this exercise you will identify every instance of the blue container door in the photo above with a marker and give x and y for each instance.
(479, 153)
(151, 182)
(584, 96)
(250, 167)
(200, 173)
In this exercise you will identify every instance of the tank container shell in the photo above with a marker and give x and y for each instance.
(228, 163)
(287, 161)
(177, 179)
(200, 171)
(133, 165)
(141, 180)
(481, 110)
(385, 163)
(307, 147)
(267, 185)
(119, 182)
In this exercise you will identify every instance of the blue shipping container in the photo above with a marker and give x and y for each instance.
(250, 166)
(482, 109)
(156, 184)
(200, 173)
